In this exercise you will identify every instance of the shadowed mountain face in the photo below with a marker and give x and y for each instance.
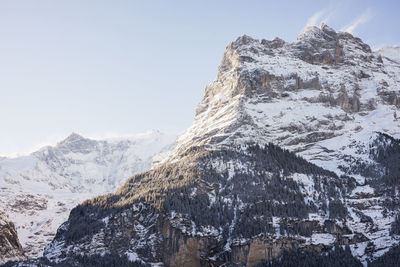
(10, 248)
(200, 211)
(292, 152)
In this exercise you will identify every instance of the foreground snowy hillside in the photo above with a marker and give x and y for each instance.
(39, 190)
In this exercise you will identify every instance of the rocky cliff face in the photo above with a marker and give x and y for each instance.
(286, 93)
(293, 149)
(39, 190)
(10, 248)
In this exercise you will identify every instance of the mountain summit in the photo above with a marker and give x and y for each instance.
(77, 143)
(325, 84)
(72, 138)
(293, 154)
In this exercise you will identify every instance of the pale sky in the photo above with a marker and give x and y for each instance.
(108, 68)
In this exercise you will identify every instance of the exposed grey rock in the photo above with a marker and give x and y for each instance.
(275, 43)
(10, 248)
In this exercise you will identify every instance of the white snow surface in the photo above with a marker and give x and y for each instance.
(39, 190)
(322, 238)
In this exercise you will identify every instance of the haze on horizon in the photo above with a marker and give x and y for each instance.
(109, 68)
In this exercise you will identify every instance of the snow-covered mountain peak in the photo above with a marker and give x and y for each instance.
(324, 33)
(328, 30)
(243, 40)
(324, 85)
(76, 143)
(46, 184)
(72, 138)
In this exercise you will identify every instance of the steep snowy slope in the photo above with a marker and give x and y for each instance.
(228, 193)
(391, 58)
(39, 190)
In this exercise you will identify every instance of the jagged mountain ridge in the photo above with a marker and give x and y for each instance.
(266, 91)
(226, 195)
(40, 189)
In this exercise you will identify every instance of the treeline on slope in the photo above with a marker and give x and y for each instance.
(386, 151)
(303, 258)
(84, 219)
(254, 195)
(106, 260)
(383, 175)
(390, 258)
(271, 158)
(257, 201)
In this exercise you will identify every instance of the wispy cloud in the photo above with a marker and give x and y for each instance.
(318, 17)
(326, 18)
(315, 18)
(363, 18)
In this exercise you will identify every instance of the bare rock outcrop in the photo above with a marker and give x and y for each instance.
(10, 248)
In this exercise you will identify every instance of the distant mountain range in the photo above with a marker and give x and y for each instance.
(39, 190)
